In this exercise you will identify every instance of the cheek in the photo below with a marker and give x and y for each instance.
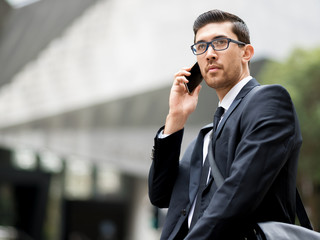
(234, 61)
(202, 65)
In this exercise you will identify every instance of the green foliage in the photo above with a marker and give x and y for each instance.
(300, 75)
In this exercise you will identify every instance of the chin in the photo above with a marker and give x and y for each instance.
(212, 82)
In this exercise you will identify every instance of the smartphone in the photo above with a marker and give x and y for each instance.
(194, 79)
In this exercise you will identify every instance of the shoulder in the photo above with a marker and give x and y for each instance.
(269, 102)
(270, 90)
(268, 94)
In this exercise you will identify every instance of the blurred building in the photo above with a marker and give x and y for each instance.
(84, 88)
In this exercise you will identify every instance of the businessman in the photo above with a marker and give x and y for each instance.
(255, 144)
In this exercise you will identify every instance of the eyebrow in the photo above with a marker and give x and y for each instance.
(216, 37)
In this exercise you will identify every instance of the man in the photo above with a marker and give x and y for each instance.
(255, 144)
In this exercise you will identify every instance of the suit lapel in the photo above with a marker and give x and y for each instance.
(244, 91)
(196, 162)
(197, 154)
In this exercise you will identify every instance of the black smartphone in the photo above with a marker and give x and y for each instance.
(194, 79)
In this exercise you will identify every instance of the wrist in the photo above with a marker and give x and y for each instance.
(174, 123)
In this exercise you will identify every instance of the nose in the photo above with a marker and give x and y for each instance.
(211, 53)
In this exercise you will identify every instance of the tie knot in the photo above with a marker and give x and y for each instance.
(219, 112)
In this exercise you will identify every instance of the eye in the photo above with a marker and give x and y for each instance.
(220, 43)
(201, 47)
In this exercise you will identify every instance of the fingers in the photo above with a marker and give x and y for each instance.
(183, 72)
(180, 77)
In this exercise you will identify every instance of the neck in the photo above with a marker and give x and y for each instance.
(223, 92)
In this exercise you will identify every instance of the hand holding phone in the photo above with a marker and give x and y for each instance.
(194, 79)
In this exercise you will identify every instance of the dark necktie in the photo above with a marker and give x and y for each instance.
(217, 117)
(204, 172)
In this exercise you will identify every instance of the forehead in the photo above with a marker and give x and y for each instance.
(213, 30)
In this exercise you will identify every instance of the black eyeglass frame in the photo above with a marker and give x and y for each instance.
(211, 43)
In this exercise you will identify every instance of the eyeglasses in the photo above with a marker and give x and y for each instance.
(218, 44)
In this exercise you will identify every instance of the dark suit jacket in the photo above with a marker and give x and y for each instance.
(256, 148)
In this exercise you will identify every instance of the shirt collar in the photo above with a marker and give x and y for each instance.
(231, 95)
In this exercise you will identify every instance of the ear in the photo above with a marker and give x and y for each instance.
(248, 52)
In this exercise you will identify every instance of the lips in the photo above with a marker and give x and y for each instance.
(213, 68)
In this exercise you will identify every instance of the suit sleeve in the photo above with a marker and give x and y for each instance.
(164, 168)
(269, 134)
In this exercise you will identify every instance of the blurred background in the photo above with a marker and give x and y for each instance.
(84, 86)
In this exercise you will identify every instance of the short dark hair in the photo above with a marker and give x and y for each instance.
(217, 16)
